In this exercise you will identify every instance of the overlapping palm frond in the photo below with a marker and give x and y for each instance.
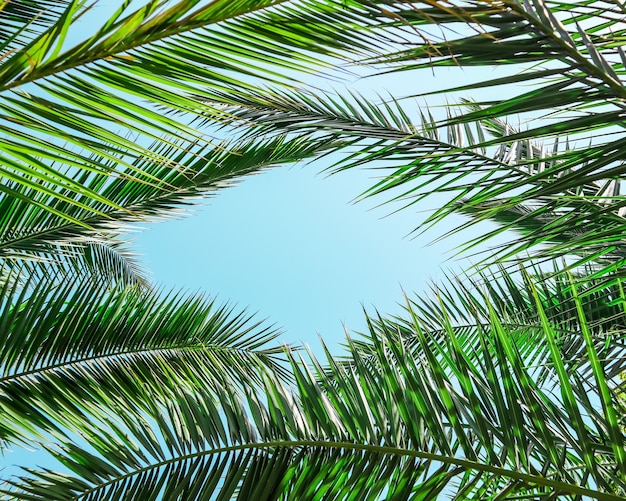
(412, 418)
(562, 191)
(490, 390)
(456, 161)
(41, 229)
(463, 304)
(73, 348)
(74, 104)
(579, 91)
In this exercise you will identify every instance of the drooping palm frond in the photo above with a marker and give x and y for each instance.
(42, 229)
(101, 257)
(84, 345)
(564, 198)
(587, 220)
(578, 87)
(470, 420)
(74, 104)
(455, 160)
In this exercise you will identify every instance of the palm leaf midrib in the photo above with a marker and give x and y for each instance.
(536, 480)
(134, 211)
(191, 345)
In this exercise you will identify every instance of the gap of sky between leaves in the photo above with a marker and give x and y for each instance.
(290, 245)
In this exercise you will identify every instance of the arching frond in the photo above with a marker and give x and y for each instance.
(468, 419)
(479, 167)
(75, 103)
(84, 345)
(39, 230)
(101, 257)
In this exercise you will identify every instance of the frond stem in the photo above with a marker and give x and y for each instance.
(184, 25)
(378, 449)
(196, 346)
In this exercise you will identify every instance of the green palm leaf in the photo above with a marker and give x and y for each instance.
(43, 232)
(465, 418)
(491, 390)
(462, 305)
(24, 20)
(105, 258)
(564, 196)
(579, 48)
(82, 345)
(75, 105)
(518, 184)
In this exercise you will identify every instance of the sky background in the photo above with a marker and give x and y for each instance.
(291, 244)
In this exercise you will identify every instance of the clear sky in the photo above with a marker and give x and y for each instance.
(289, 243)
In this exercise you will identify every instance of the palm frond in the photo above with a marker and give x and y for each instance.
(464, 305)
(468, 419)
(101, 257)
(578, 86)
(84, 344)
(42, 225)
(23, 20)
(75, 106)
(516, 182)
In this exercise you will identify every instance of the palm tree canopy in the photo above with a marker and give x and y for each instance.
(498, 386)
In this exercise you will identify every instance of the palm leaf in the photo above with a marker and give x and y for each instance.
(22, 20)
(518, 184)
(577, 81)
(85, 344)
(43, 231)
(105, 258)
(76, 105)
(563, 198)
(444, 416)
(463, 305)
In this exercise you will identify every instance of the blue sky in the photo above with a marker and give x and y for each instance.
(289, 244)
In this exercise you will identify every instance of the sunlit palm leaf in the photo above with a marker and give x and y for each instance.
(518, 184)
(579, 46)
(444, 416)
(22, 20)
(75, 105)
(42, 230)
(68, 348)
